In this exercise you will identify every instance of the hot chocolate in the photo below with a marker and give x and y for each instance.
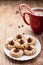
(38, 12)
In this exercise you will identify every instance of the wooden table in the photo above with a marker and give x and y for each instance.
(9, 23)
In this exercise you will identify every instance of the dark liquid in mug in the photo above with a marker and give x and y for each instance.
(38, 12)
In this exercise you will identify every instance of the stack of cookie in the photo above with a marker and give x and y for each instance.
(20, 46)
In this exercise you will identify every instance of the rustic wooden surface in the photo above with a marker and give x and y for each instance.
(9, 23)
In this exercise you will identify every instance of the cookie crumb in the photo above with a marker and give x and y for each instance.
(22, 25)
(23, 33)
(16, 12)
(18, 26)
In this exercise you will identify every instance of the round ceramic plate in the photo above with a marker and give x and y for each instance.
(24, 57)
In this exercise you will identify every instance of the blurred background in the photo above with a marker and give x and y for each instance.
(31, 3)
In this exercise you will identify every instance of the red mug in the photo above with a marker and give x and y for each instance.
(36, 20)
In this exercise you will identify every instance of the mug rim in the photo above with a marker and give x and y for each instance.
(37, 8)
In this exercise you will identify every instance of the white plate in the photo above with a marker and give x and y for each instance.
(24, 58)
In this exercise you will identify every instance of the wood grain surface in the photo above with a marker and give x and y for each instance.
(9, 22)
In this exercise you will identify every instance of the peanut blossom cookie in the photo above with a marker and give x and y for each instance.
(22, 43)
(17, 36)
(9, 44)
(16, 52)
(30, 50)
(31, 41)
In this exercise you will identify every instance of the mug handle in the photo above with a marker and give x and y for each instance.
(25, 18)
